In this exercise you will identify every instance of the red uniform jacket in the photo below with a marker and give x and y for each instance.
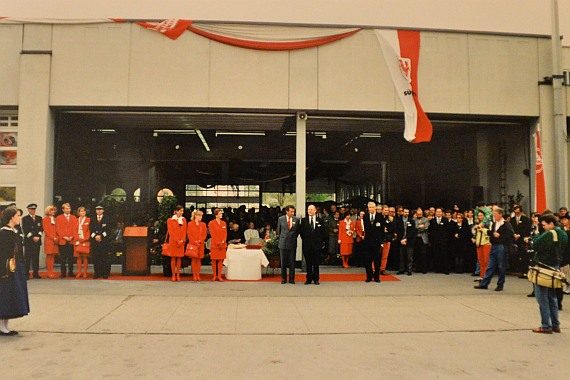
(86, 233)
(64, 227)
(359, 230)
(342, 232)
(50, 236)
(197, 235)
(219, 233)
(177, 236)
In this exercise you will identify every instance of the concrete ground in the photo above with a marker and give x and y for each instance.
(423, 327)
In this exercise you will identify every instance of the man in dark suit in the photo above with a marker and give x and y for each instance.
(100, 228)
(372, 242)
(32, 229)
(313, 232)
(521, 225)
(406, 233)
(288, 231)
(438, 237)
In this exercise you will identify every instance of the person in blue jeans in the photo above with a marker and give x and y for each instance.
(502, 236)
(548, 247)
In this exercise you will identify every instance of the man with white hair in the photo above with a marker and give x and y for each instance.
(372, 242)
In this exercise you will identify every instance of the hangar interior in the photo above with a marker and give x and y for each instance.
(348, 154)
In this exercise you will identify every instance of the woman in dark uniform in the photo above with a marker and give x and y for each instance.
(13, 287)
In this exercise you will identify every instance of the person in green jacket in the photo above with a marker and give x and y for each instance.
(548, 247)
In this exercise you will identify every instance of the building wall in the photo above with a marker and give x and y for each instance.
(123, 64)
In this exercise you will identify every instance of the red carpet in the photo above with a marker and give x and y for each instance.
(300, 278)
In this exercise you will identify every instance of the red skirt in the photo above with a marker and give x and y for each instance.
(218, 253)
(346, 249)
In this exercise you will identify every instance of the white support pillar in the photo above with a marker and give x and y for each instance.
(36, 124)
(301, 170)
(560, 143)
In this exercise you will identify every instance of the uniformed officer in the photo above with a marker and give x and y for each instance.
(100, 228)
(33, 231)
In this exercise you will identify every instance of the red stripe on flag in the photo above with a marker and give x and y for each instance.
(540, 185)
(261, 45)
(410, 48)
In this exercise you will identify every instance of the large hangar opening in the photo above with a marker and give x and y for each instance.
(348, 154)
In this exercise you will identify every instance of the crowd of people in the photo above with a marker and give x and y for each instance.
(480, 241)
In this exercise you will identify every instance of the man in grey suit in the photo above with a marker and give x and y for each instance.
(288, 230)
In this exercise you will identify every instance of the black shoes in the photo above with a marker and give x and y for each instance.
(530, 295)
(317, 283)
(10, 333)
(376, 280)
(368, 280)
(480, 287)
(283, 281)
(498, 289)
(307, 282)
(292, 282)
(400, 272)
(409, 273)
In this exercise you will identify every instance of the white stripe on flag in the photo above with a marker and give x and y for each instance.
(390, 45)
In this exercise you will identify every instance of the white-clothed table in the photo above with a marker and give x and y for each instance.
(244, 264)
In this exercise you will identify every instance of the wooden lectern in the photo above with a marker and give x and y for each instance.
(135, 260)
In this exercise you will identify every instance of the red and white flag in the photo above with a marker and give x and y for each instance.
(401, 49)
(540, 184)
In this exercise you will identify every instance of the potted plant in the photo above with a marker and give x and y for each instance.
(271, 250)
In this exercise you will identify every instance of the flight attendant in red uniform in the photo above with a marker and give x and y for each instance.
(50, 239)
(197, 232)
(65, 227)
(177, 236)
(219, 233)
(346, 233)
(82, 245)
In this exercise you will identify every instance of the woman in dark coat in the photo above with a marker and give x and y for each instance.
(13, 287)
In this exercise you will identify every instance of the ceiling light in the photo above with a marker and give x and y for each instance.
(156, 132)
(204, 142)
(240, 133)
(104, 130)
(371, 135)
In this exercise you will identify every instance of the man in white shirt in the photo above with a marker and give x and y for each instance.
(251, 232)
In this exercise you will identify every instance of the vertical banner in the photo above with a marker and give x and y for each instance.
(540, 185)
(401, 49)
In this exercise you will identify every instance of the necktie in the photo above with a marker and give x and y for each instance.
(289, 222)
(99, 219)
(312, 223)
(371, 218)
(67, 217)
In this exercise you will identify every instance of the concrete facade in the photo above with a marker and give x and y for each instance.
(48, 67)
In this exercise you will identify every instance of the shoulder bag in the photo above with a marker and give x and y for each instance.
(166, 246)
(192, 250)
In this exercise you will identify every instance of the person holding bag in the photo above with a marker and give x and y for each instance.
(176, 230)
(548, 247)
(196, 232)
(51, 247)
(82, 245)
(13, 287)
(219, 233)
